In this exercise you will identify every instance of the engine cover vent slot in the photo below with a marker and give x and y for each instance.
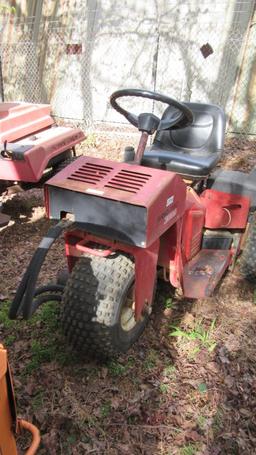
(129, 181)
(90, 173)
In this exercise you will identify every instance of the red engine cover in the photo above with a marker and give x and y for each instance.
(119, 196)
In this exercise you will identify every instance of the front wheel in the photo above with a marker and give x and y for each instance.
(98, 316)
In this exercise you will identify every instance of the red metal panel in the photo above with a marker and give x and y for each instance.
(193, 223)
(139, 185)
(224, 210)
(183, 240)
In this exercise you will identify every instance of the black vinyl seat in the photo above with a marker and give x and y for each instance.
(192, 151)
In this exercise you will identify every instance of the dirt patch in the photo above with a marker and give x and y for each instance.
(239, 154)
(189, 393)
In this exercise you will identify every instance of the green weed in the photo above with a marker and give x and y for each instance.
(9, 340)
(201, 421)
(116, 368)
(48, 316)
(105, 409)
(164, 388)
(202, 337)
(202, 387)
(37, 401)
(217, 421)
(168, 304)
(169, 371)
(4, 318)
(151, 360)
(40, 354)
(189, 449)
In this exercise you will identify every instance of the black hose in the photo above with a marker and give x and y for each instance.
(49, 288)
(23, 300)
(45, 298)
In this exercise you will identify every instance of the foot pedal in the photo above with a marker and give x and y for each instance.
(4, 219)
(202, 274)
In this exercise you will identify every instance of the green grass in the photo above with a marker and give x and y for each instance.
(38, 400)
(47, 315)
(202, 387)
(9, 340)
(168, 304)
(199, 334)
(169, 371)
(105, 409)
(201, 422)
(42, 331)
(151, 360)
(117, 369)
(4, 318)
(217, 421)
(164, 388)
(189, 449)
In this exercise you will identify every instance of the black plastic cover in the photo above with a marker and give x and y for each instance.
(148, 122)
(114, 219)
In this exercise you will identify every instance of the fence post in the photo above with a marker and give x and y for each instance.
(251, 22)
(1, 81)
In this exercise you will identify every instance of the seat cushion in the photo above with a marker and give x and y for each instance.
(182, 163)
(192, 151)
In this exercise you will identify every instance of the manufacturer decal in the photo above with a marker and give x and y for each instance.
(169, 201)
(94, 191)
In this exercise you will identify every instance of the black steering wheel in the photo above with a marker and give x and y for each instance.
(179, 116)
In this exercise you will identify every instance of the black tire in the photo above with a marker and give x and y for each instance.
(248, 257)
(62, 276)
(95, 297)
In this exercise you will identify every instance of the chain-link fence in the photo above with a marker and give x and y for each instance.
(199, 51)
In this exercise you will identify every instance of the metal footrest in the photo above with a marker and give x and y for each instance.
(202, 274)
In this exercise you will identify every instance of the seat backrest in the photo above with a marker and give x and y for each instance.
(205, 136)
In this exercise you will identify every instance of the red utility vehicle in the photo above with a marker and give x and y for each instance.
(166, 213)
(31, 145)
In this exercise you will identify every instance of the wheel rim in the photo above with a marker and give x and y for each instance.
(127, 318)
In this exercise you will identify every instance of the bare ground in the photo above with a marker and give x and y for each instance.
(189, 394)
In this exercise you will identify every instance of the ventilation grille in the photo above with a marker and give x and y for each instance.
(90, 173)
(129, 181)
(195, 244)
